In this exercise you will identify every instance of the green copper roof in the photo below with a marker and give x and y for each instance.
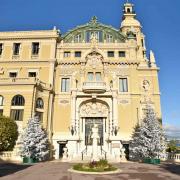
(94, 26)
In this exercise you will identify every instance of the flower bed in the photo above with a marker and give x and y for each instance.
(95, 166)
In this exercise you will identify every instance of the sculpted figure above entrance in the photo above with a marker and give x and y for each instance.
(94, 60)
(94, 109)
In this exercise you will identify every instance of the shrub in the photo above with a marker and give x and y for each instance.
(8, 133)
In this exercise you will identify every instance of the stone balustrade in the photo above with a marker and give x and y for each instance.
(173, 157)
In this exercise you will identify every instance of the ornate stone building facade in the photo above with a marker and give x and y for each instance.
(93, 74)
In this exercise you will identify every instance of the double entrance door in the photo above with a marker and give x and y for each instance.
(89, 124)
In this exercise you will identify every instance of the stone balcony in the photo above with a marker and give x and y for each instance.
(94, 87)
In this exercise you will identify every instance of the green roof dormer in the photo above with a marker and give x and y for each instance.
(104, 33)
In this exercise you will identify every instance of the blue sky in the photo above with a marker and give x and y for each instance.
(161, 25)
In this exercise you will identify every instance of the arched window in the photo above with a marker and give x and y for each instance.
(18, 100)
(1, 100)
(39, 103)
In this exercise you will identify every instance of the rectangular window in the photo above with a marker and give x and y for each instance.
(17, 114)
(123, 85)
(32, 74)
(110, 53)
(78, 38)
(122, 54)
(1, 100)
(1, 48)
(13, 74)
(16, 49)
(90, 76)
(35, 48)
(1, 112)
(109, 38)
(67, 54)
(65, 85)
(98, 76)
(78, 54)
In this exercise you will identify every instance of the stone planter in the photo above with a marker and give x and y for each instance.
(151, 161)
(28, 160)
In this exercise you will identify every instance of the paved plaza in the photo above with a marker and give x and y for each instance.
(59, 171)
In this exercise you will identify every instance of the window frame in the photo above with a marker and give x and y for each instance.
(123, 89)
(67, 54)
(35, 50)
(1, 49)
(17, 112)
(78, 38)
(65, 88)
(16, 49)
(122, 52)
(76, 53)
(109, 38)
(18, 102)
(1, 100)
(32, 72)
(112, 55)
(39, 105)
(11, 74)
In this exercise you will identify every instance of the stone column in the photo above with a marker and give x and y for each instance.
(73, 111)
(115, 110)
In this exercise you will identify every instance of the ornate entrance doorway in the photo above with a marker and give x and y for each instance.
(89, 124)
(91, 113)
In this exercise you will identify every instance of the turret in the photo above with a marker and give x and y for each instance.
(131, 27)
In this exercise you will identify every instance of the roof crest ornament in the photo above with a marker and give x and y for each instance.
(94, 20)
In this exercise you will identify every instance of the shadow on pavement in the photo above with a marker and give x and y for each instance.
(7, 168)
(171, 167)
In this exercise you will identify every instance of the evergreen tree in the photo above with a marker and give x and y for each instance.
(35, 141)
(148, 139)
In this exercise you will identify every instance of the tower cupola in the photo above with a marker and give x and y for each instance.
(129, 18)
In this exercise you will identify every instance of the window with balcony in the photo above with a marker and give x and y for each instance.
(35, 48)
(67, 54)
(98, 76)
(65, 84)
(123, 85)
(122, 54)
(110, 53)
(78, 54)
(16, 49)
(1, 48)
(13, 74)
(94, 76)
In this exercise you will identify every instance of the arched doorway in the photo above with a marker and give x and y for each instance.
(94, 112)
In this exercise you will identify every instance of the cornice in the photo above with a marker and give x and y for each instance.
(105, 62)
(43, 34)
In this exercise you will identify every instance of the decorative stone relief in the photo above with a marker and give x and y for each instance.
(146, 85)
(94, 109)
(94, 60)
(64, 102)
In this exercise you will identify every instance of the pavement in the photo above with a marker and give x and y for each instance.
(59, 171)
